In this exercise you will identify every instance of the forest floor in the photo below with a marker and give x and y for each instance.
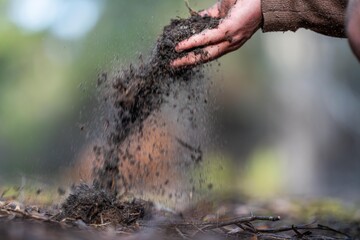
(100, 217)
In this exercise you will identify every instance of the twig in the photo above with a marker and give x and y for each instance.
(296, 229)
(274, 237)
(214, 225)
(191, 11)
(197, 152)
(181, 234)
(64, 220)
(298, 233)
(285, 229)
(239, 221)
(122, 232)
(28, 215)
(245, 223)
(322, 227)
(4, 192)
(100, 225)
(196, 232)
(187, 145)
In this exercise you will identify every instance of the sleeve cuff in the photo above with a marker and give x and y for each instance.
(277, 12)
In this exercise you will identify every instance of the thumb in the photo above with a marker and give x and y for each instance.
(213, 11)
(225, 6)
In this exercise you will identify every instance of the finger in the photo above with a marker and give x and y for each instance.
(207, 37)
(184, 61)
(209, 53)
(213, 11)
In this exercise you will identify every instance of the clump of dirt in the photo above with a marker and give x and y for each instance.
(139, 90)
(177, 31)
(95, 206)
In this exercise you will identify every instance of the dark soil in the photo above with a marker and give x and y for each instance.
(139, 90)
(94, 206)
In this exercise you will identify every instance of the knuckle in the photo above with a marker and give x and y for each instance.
(237, 38)
(226, 25)
(222, 29)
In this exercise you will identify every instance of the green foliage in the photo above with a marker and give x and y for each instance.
(217, 173)
(263, 177)
(47, 82)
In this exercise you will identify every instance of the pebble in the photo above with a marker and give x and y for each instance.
(82, 225)
(15, 205)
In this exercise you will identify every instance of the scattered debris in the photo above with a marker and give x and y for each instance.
(61, 191)
(96, 210)
(196, 152)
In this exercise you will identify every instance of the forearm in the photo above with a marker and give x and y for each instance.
(322, 16)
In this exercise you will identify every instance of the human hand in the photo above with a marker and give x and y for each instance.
(240, 20)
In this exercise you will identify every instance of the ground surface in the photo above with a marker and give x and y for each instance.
(95, 215)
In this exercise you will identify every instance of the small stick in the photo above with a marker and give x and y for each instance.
(123, 232)
(187, 145)
(214, 225)
(301, 227)
(192, 12)
(322, 227)
(197, 153)
(239, 221)
(101, 225)
(181, 234)
(4, 192)
(28, 215)
(197, 231)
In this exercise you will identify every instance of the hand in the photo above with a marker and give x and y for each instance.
(240, 20)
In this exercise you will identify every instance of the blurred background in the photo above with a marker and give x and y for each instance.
(289, 106)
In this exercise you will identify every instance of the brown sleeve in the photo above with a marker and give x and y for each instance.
(322, 16)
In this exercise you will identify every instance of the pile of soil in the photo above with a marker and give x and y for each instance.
(139, 90)
(95, 206)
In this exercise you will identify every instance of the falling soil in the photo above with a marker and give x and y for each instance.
(136, 92)
(139, 90)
